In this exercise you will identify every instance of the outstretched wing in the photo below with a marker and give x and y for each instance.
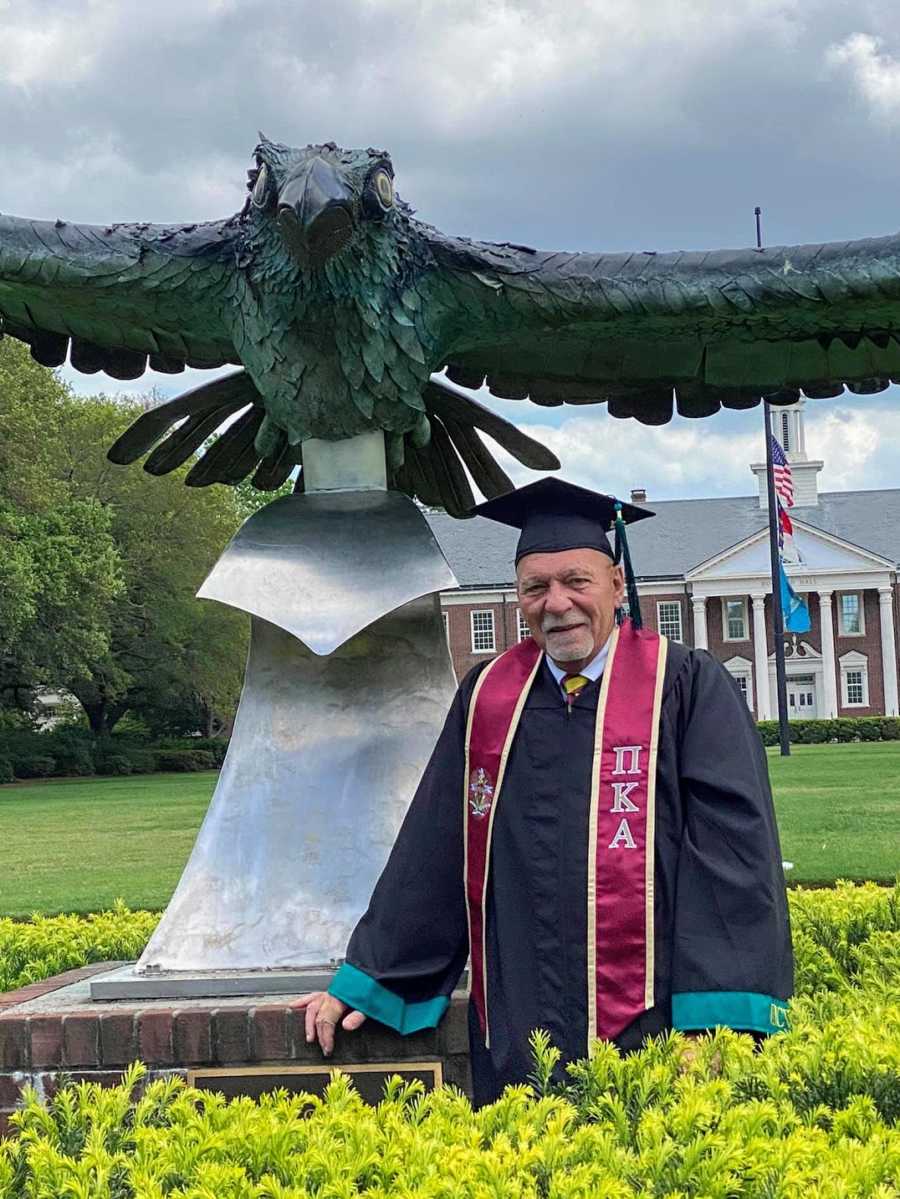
(642, 330)
(120, 294)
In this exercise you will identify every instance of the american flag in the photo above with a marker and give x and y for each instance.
(781, 469)
(785, 525)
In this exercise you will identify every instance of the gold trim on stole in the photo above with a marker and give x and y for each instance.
(650, 833)
(501, 770)
(592, 848)
(465, 798)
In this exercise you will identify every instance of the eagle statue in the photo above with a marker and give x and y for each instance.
(342, 311)
(340, 307)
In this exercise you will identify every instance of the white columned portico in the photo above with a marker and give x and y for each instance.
(701, 638)
(888, 649)
(829, 680)
(761, 657)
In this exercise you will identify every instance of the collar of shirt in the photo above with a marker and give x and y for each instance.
(592, 671)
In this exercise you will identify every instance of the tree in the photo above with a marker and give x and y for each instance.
(100, 564)
(172, 660)
(249, 500)
(59, 570)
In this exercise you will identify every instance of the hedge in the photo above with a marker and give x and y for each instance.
(185, 759)
(843, 728)
(813, 1112)
(73, 751)
(836, 932)
(46, 945)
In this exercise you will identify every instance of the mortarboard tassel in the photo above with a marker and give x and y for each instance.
(622, 555)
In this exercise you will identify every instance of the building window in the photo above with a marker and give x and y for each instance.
(786, 432)
(855, 681)
(522, 629)
(850, 621)
(668, 619)
(734, 619)
(855, 690)
(445, 617)
(741, 670)
(483, 640)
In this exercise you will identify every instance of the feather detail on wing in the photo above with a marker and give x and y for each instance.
(644, 331)
(432, 470)
(118, 298)
(436, 472)
(175, 431)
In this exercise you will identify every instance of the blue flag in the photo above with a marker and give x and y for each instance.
(794, 609)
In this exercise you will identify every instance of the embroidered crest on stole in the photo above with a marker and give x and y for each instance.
(481, 793)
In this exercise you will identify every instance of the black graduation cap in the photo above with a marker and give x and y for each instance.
(554, 515)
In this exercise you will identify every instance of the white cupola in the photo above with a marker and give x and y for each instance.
(789, 430)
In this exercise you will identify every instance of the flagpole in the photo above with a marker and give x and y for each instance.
(777, 612)
(775, 561)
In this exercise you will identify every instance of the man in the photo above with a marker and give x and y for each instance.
(595, 824)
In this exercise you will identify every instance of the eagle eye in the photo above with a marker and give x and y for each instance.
(260, 194)
(378, 196)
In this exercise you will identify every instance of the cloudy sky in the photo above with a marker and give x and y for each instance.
(580, 124)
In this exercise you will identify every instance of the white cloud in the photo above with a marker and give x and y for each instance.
(33, 52)
(874, 72)
(860, 447)
(679, 459)
(859, 444)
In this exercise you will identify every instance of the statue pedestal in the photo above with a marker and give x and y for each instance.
(347, 685)
(239, 1045)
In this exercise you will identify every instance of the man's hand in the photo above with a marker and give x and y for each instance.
(323, 1014)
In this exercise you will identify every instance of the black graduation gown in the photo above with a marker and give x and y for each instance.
(722, 945)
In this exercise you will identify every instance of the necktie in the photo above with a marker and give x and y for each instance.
(573, 685)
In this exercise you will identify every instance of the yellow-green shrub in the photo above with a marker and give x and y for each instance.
(812, 1113)
(46, 945)
(837, 935)
(690, 1134)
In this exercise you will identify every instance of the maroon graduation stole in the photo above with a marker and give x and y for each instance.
(621, 857)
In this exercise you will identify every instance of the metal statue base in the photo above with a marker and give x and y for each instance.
(127, 983)
(347, 685)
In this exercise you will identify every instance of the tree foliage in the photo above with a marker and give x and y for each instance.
(249, 500)
(60, 573)
(97, 593)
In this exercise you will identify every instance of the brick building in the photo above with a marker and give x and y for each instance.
(703, 579)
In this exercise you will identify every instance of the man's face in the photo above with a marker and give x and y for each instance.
(569, 601)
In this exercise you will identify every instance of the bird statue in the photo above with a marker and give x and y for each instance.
(341, 311)
(341, 307)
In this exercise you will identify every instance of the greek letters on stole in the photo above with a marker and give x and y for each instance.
(621, 857)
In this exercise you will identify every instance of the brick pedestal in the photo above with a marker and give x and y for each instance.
(51, 1030)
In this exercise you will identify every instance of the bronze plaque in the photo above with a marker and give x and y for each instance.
(368, 1080)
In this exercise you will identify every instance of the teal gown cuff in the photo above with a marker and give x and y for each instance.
(354, 987)
(744, 1011)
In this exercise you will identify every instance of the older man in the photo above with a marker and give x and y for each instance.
(595, 829)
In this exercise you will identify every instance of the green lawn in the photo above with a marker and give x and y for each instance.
(79, 845)
(839, 810)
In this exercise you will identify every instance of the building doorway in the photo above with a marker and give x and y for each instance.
(801, 697)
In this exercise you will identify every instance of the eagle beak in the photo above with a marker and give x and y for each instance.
(315, 213)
